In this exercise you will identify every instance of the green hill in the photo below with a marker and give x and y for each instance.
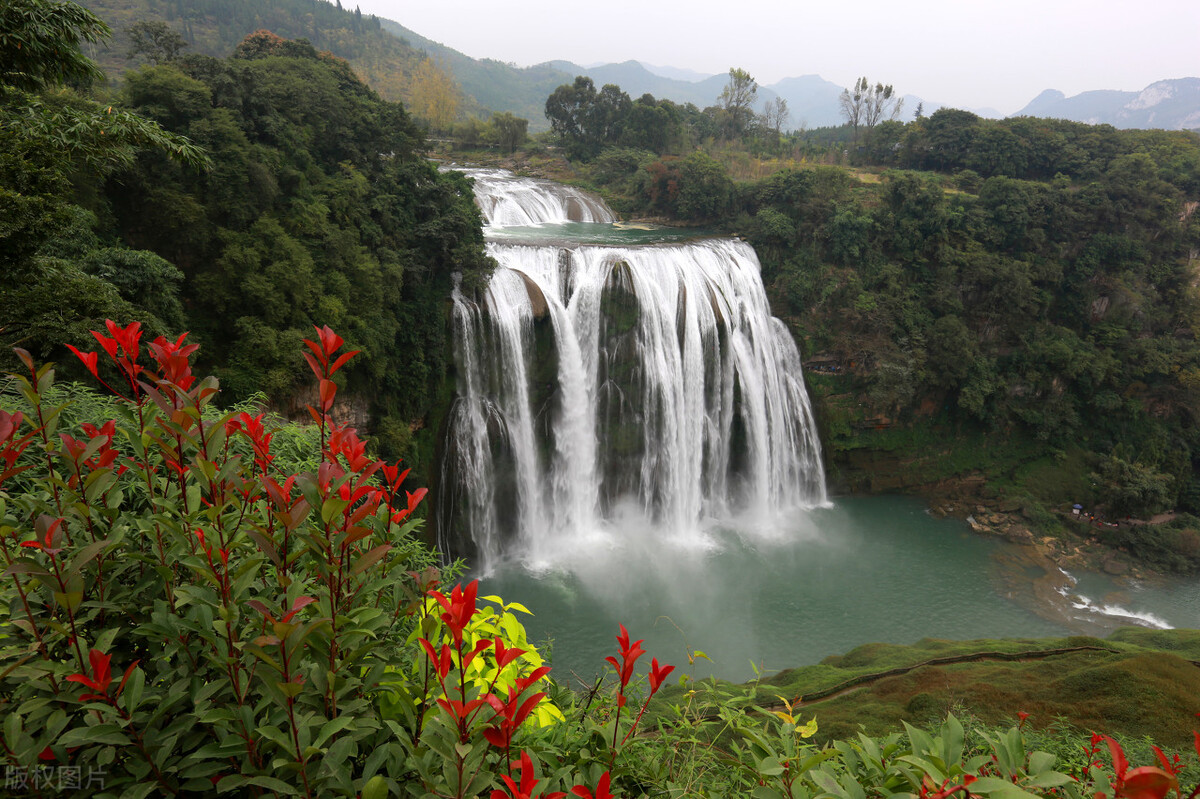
(214, 27)
(1135, 683)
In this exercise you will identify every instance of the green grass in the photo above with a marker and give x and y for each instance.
(1145, 686)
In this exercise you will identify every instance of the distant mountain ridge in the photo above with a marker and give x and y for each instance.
(386, 54)
(496, 85)
(812, 100)
(1167, 104)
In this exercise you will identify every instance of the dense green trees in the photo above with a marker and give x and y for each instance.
(153, 30)
(319, 209)
(1063, 309)
(587, 121)
(1037, 277)
(51, 140)
(314, 204)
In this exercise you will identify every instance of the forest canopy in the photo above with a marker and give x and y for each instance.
(250, 197)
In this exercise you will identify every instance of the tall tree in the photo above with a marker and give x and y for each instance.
(511, 130)
(157, 42)
(737, 100)
(868, 105)
(567, 106)
(775, 115)
(434, 96)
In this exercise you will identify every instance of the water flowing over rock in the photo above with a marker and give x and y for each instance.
(507, 200)
(644, 380)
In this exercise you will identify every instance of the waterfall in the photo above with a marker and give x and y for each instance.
(509, 201)
(598, 381)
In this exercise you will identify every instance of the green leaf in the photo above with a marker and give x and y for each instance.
(68, 599)
(290, 689)
(1049, 779)
(139, 791)
(329, 728)
(99, 734)
(769, 767)
(1041, 761)
(276, 735)
(827, 782)
(370, 558)
(925, 766)
(334, 506)
(999, 788)
(133, 690)
(375, 788)
(86, 554)
(25, 567)
(277, 785)
(952, 740)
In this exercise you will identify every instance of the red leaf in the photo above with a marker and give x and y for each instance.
(313, 364)
(1147, 782)
(499, 737)
(330, 341)
(660, 673)
(125, 679)
(109, 344)
(83, 679)
(479, 647)
(261, 608)
(101, 669)
(341, 360)
(1162, 759)
(10, 423)
(1120, 764)
(90, 360)
(506, 655)
(415, 497)
(526, 708)
(328, 392)
(301, 602)
(320, 356)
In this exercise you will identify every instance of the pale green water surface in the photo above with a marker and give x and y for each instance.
(869, 569)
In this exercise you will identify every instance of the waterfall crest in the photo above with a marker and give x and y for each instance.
(599, 381)
(509, 201)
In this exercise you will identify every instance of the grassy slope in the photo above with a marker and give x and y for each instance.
(1147, 685)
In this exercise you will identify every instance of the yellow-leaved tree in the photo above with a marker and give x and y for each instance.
(435, 95)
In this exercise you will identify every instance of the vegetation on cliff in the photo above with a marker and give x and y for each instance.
(1030, 281)
(314, 203)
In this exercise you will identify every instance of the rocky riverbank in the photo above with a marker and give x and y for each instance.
(1007, 519)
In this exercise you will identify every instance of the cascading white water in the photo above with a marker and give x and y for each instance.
(508, 201)
(596, 381)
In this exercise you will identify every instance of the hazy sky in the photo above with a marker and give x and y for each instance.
(982, 53)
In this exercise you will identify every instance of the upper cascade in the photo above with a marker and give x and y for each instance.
(507, 200)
